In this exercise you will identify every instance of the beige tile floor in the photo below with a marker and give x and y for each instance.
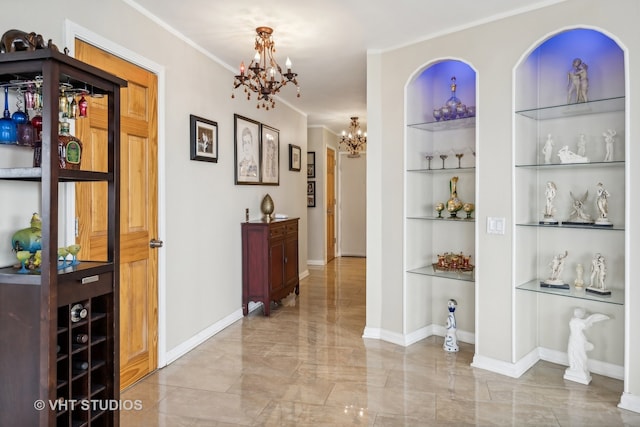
(308, 365)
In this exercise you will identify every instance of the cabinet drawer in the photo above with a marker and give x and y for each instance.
(85, 287)
(292, 228)
(276, 231)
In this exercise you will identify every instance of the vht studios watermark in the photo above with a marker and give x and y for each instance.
(88, 404)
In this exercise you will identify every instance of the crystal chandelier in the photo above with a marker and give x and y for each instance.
(355, 141)
(264, 75)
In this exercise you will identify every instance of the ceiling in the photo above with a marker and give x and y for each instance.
(326, 40)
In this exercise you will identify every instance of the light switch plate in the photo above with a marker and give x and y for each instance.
(495, 225)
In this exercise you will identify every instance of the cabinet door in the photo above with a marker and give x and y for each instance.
(291, 260)
(277, 255)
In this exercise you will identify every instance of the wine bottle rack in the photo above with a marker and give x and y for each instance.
(86, 389)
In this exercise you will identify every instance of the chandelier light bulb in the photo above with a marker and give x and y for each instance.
(242, 68)
(256, 58)
(288, 64)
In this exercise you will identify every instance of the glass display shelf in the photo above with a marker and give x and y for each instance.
(606, 105)
(616, 163)
(616, 297)
(445, 219)
(570, 226)
(443, 125)
(453, 275)
(437, 170)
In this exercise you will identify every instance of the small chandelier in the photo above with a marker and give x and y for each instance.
(355, 141)
(264, 75)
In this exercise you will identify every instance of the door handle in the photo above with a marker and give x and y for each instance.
(154, 243)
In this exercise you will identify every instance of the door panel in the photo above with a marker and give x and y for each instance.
(331, 204)
(138, 206)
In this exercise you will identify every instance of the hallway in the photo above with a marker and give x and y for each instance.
(308, 365)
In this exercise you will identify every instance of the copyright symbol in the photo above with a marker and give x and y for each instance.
(39, 405)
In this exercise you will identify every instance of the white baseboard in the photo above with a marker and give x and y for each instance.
(188, 345)
(406, 340)
(303, 275)
(515, 370)
(315, 262)
(629, 402)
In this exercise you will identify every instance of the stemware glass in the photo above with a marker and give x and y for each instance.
(63, 252)
(459, 156)
(8, 129)
(73, 250)
(443, 157)
(23, 257)
(429, 158)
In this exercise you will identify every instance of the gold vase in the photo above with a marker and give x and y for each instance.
(267, 207)
(454, 204)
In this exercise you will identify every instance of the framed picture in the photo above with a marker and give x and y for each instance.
(204, 139)
(311, 164)
(247, 150)
(270, 152)
(294, 158)
(311, 194)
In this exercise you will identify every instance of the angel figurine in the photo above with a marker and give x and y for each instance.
(578, 206)
(578, 346)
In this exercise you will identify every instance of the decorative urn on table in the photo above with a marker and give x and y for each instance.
(267, 207)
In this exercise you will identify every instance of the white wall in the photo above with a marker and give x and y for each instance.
(352, 200)
(494, 49)
(204, 208)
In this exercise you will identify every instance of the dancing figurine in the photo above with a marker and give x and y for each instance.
(608, 143)
(578, 346)
(555, 279)
(549, 210)
(602, 196)
(598, 274)
(451, 340)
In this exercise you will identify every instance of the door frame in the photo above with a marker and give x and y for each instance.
(74, 31)
(336, 210)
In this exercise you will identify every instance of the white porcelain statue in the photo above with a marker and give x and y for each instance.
(547, 149)
(578, 346)
(550, 193)
(567, 156)
(608, 143)
(557, 265)
(603, 205)
(578, 206)
(578, 82)
(451, 340)
(598, 272)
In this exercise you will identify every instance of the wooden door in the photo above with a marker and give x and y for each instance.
(331, 204)
(138, 206)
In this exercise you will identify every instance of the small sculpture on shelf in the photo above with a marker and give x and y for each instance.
(578, 345)
(549, 210)
(579, 282)
(582, 145)
(468, 208)
(578, 82)
(450, 339)
(547, 149)
(598, 275)
(567, 156)
(555, 279)
(453, 108)
(29, 239)
(439, 208)
(578, 215)
(603, 206)
(456, 262)
(608, 144)
(267, 207)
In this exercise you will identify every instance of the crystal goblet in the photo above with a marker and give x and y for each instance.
(443, 157)
(63, 252)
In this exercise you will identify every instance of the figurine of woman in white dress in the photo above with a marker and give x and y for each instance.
(547, 150)
(550, 194)
(602, 204)
(579, 346)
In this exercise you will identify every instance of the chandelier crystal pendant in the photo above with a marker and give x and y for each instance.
(264, 76)
(355, 141)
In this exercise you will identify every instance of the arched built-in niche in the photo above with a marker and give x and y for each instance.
(548, 116)
(427, 288)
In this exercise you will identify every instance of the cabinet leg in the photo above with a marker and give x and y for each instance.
(267, 307)
(297, 289)
(245, 309)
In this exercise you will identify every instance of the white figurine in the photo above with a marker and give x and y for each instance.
(567, 156)
(598, 271)
(451, 340)
(578, 81)
(608, 142)
(578, 214)
(557, 265)
(603, 205)
(582, 145)
(547, 150)
(549, 194)
(578, 346)
(579, 282)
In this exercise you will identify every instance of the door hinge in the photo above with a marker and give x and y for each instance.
(76, 226)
